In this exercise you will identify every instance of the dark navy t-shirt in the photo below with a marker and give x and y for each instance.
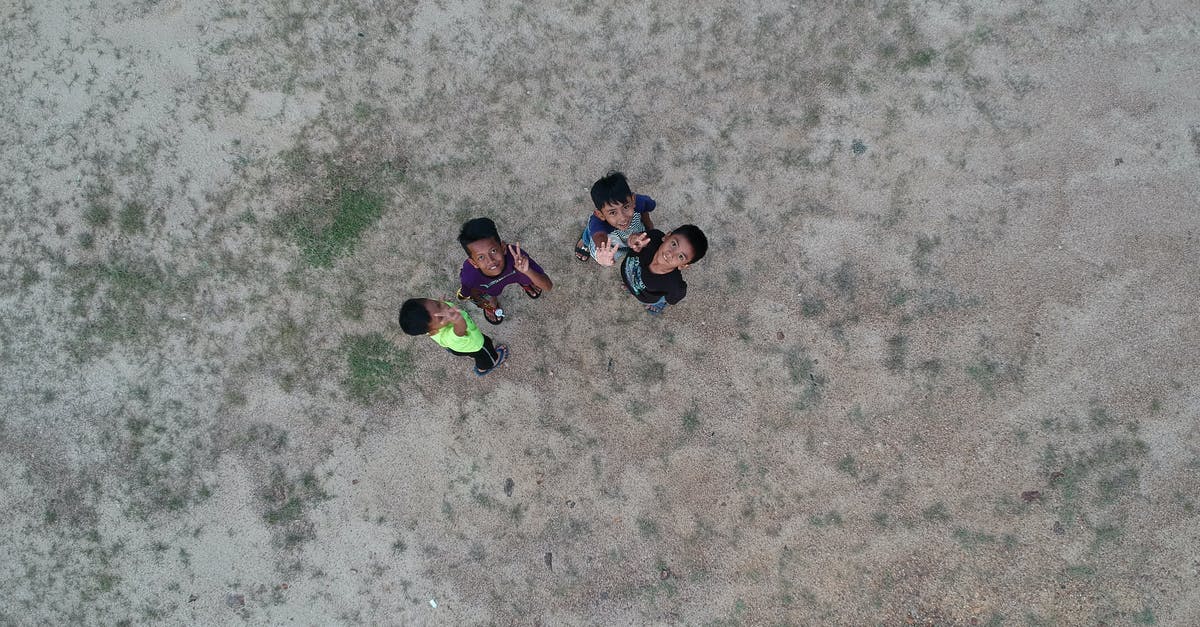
(641, 204)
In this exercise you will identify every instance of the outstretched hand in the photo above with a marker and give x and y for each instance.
(520, 259)
(606, 253)
(638, 241)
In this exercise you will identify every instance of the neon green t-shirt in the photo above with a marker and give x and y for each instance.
(468, 343)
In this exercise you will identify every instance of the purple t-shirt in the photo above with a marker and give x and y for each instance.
(476, 283)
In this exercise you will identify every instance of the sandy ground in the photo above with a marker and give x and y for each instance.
(939, 366)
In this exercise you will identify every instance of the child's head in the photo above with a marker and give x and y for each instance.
(683, 246)
(419, 316)
(614, 200)
(482, 242)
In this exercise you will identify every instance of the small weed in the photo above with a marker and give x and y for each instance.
(1107, 533)
(918, 59)
(1145, 617)
(972, 539)
(848, 465)
(132, 218)
(1099, 417)
(831, 519)
(651, 371)
(811, 306)
(29, 276)
(936, 513)
(897, 350)
(97, 215)
(921, 255)
(691, 420)
(647, 528)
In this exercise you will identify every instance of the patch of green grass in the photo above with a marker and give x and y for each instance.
(97, 215)
(1145, 617)
(848, 465)
(132, 218)
(691, 420)
(972, 539)
(29, 276)
(936, 513)
(986, 373)
(374, 366)
(811, 306)
(651, 371)
(344, 221)
(897, 351)
(647, 528)
(917, 59)
(830, 519)
(1099, 417)
(924, 250)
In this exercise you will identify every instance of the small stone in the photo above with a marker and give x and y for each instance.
(571, 504)
(549, 560)
(236, 601)
(664, 574)
(1030, 496)
(779, 335)
(508, 486)
(1118, 161)
(192, 598)
(284, 586)
(1058, 528)
(354, 482)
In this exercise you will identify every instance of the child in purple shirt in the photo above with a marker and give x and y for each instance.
(492, 265)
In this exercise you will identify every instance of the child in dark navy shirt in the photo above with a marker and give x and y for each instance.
(619, 214)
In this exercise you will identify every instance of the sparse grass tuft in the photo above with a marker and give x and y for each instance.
(897, 351)
(97, 215)
(936, 513)
(334, 229)
(918, 59)
(132, 218)
(848, 465)
(374, 366)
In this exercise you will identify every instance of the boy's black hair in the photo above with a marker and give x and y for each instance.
(696, 237)
(414, 318)
(611, 189)
(476, 229)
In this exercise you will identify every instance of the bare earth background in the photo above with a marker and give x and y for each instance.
(939, 367)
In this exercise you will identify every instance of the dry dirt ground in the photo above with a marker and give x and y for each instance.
(939, 367)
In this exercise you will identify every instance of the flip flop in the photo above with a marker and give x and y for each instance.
(491, 317)
(582, 253)
(532, 291)
(655, 309)
(502, 353)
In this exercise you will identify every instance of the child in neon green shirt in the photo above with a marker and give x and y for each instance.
(452, 329)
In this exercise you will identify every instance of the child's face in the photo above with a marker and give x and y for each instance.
(676, 251)
(487, 255)
(617, 215)
(439, 314)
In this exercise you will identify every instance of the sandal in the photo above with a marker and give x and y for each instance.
(493, 316)
(532, 291)
(582, 253)
(501, 353)
(654, 308)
